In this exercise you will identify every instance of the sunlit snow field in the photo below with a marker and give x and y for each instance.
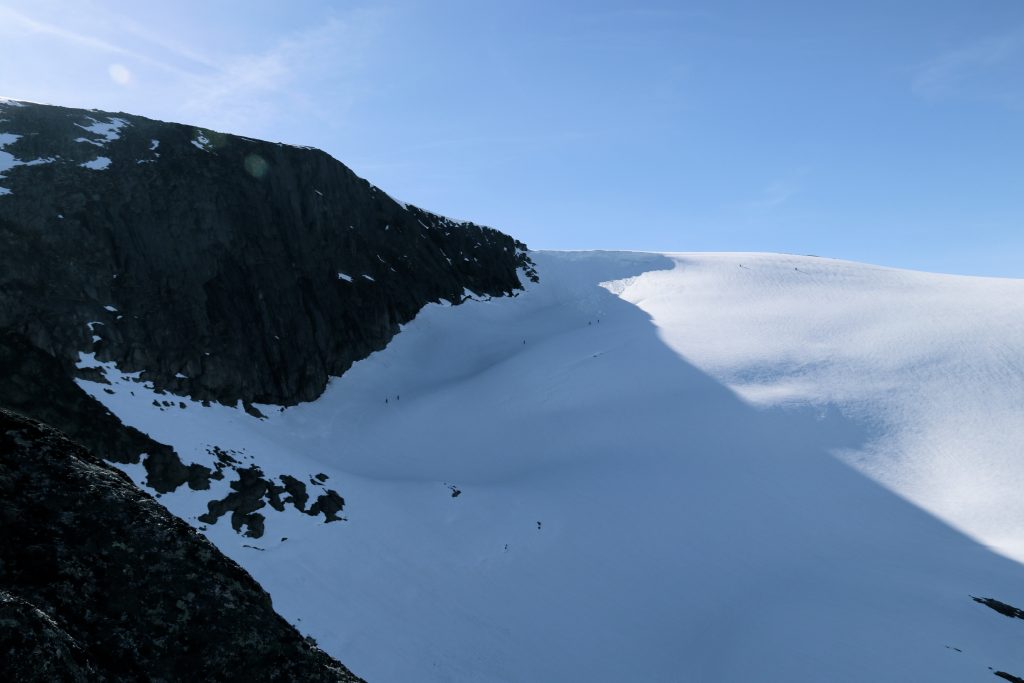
(683, 467)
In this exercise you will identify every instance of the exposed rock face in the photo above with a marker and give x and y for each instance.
(33, 382)
(26, 373)
(34, 648)
(253, 490)
(1006, 610)
(221, 267)
(99, 582)
(1001, 607)
(1009, 677)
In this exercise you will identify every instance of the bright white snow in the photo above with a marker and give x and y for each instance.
(201, 141)
(153, 145)
(97, 164)
(935, 363)
(7, 160)
(109, 130)
(626, 516)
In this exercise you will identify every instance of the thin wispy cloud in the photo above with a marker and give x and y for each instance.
(544, 141)
(776, 194)
(241, 92)
(17, 20)
(947, 74)
(124, 25)
(779, 191)
(262, 84)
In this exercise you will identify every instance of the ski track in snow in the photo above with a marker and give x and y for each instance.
(649, 487)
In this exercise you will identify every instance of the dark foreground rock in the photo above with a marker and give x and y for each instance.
(99, 582)
(27, 373)
(32, 382)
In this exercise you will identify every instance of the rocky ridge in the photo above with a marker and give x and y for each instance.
(215, 266)
(98, 582)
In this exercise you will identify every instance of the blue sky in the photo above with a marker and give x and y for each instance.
(889, 132)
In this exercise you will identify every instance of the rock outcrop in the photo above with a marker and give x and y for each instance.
(32, 382)
(220, 267)
(98, 582)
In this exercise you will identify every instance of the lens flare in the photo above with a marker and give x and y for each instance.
(256, 165)
(120, 74)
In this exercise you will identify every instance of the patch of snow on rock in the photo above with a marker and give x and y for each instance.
(109, 130)
(97, 164)
(201, 141)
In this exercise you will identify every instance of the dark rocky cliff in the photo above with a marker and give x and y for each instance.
(220, 267)
(98, 582)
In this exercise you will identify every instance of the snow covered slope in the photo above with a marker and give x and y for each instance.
(565, 486)
(934, 364)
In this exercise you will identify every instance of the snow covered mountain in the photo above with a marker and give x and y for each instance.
(678, 467)
(99, 582)
(207, 265)
(555, 466)
(226, 269)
